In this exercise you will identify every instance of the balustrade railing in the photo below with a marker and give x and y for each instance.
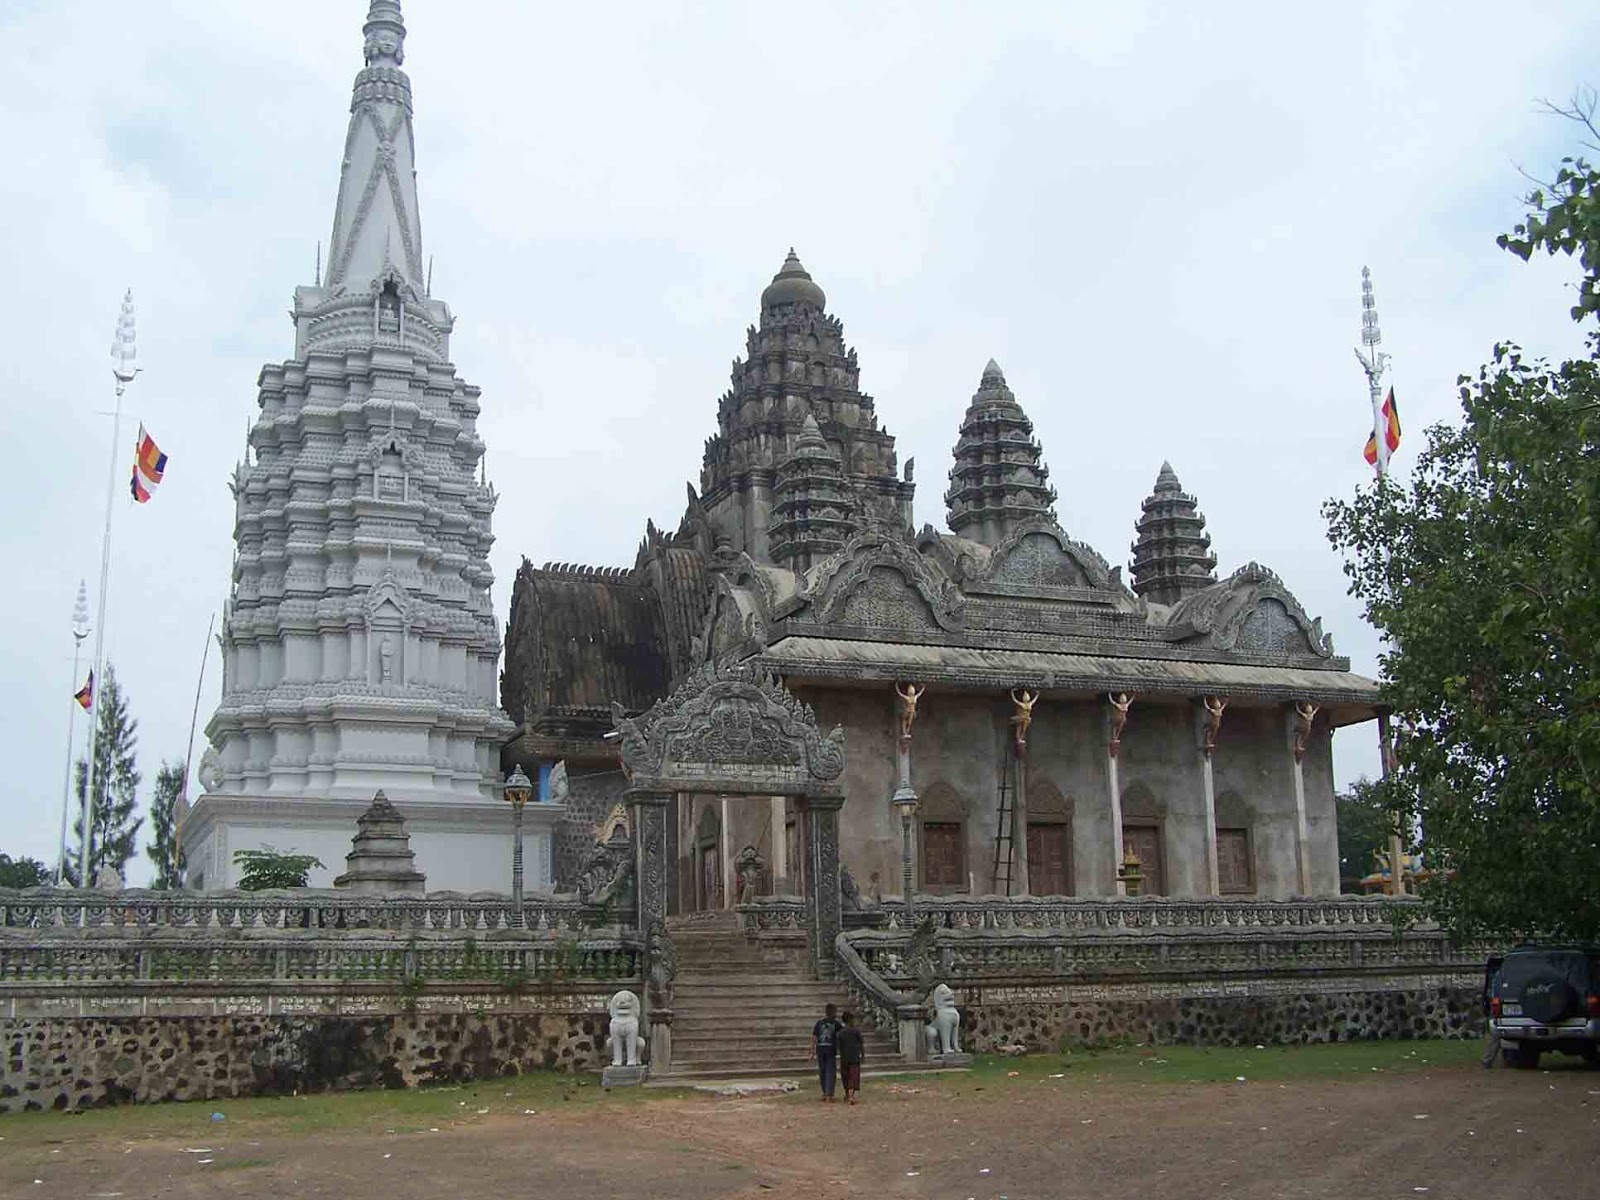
(773, 915)
(298, 908)
(982, 956)
(162, 957)
(1152, 912)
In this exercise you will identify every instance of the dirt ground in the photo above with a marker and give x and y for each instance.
(1449, 1131)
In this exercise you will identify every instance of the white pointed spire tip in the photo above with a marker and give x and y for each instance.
(123, 350)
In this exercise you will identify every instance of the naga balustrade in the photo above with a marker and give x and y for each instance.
(296, 908)
(319, 957)
(1152, 912)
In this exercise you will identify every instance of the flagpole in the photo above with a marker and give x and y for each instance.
(1374, 362)
(188, 758)
(80, 630)
(123, 370)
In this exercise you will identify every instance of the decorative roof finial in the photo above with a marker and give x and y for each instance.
(123, 351)
(386, 34)
(793, 285)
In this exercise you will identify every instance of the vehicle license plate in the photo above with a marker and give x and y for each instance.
(1511, 1009)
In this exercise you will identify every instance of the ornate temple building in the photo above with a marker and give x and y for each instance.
(359, 644)
(1041, 720)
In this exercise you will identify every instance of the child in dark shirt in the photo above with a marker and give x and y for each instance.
(852, 1049)
(824, 1049)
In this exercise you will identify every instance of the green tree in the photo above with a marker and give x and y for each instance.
(1365, 824)
(22, 872)
(114, 835)
(1483, 574)
(164, 850)
(270, 868)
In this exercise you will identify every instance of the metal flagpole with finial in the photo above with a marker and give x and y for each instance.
(80, 630)
(1374, 362)
(123, 353)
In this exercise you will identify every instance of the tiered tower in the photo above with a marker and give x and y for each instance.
(1172, 556)
(797, 367)
(812, 516)
(359, 645)
(999, 480)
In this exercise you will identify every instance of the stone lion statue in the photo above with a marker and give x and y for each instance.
(624, 1029)
(945, 1028)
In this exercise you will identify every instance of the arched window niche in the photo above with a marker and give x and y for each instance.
(1144, 833)
(942, 841)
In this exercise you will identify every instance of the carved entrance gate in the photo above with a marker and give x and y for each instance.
(735, 731)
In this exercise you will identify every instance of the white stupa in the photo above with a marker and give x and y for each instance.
(360, 646)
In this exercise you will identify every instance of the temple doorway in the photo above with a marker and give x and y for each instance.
(708, 887)
(1049, 851)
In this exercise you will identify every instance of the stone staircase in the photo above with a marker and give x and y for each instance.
(743, 1012)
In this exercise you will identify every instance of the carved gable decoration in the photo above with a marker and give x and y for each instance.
(879, 581)
(737, 616)
(884, 600)
(1252, 612)
(731, 728)
(1041, 558)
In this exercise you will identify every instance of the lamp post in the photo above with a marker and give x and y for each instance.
(518, 789)
(905, 803)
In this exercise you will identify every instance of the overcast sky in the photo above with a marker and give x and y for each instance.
(1154, 219)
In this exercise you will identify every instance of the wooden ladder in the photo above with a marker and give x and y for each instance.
(1005, 823)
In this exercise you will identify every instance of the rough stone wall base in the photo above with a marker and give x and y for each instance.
(61, 1063)
(1290, 1019)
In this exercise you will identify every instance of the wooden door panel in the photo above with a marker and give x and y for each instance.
(1049, 848)
(942, 859)
(1145, 842)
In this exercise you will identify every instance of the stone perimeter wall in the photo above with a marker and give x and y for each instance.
(85, 1062)
(1441, 1009)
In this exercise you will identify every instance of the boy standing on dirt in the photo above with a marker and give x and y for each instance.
(824, 1044)
(852, 1049)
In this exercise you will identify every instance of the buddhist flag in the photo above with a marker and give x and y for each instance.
(141, 494)
(85, 694)
(151, 462)
(1390, 416)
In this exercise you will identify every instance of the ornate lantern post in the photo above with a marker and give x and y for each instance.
(519, 788)
(905, 803)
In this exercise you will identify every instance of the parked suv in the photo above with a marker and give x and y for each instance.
(1547, 998)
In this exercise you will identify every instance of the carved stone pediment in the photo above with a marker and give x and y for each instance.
(1253, 612)
(1040, 556)
(880, 581)
(730, 727)
(737, 616)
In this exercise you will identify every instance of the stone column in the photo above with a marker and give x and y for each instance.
(647, 813)
(822, 882)
(1116, 712)
(1210, 716)
(779, 822)
(1022, 701)
(1301, 714)
(730, 889)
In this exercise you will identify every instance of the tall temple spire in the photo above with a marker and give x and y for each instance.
(812, 511)
(999, 480)
(797, 368)
(377, 229)
(1172, 556)
(360, 645)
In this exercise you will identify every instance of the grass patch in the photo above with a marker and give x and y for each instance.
(425, 1109)
(400, 1112)
(1224, 1064)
